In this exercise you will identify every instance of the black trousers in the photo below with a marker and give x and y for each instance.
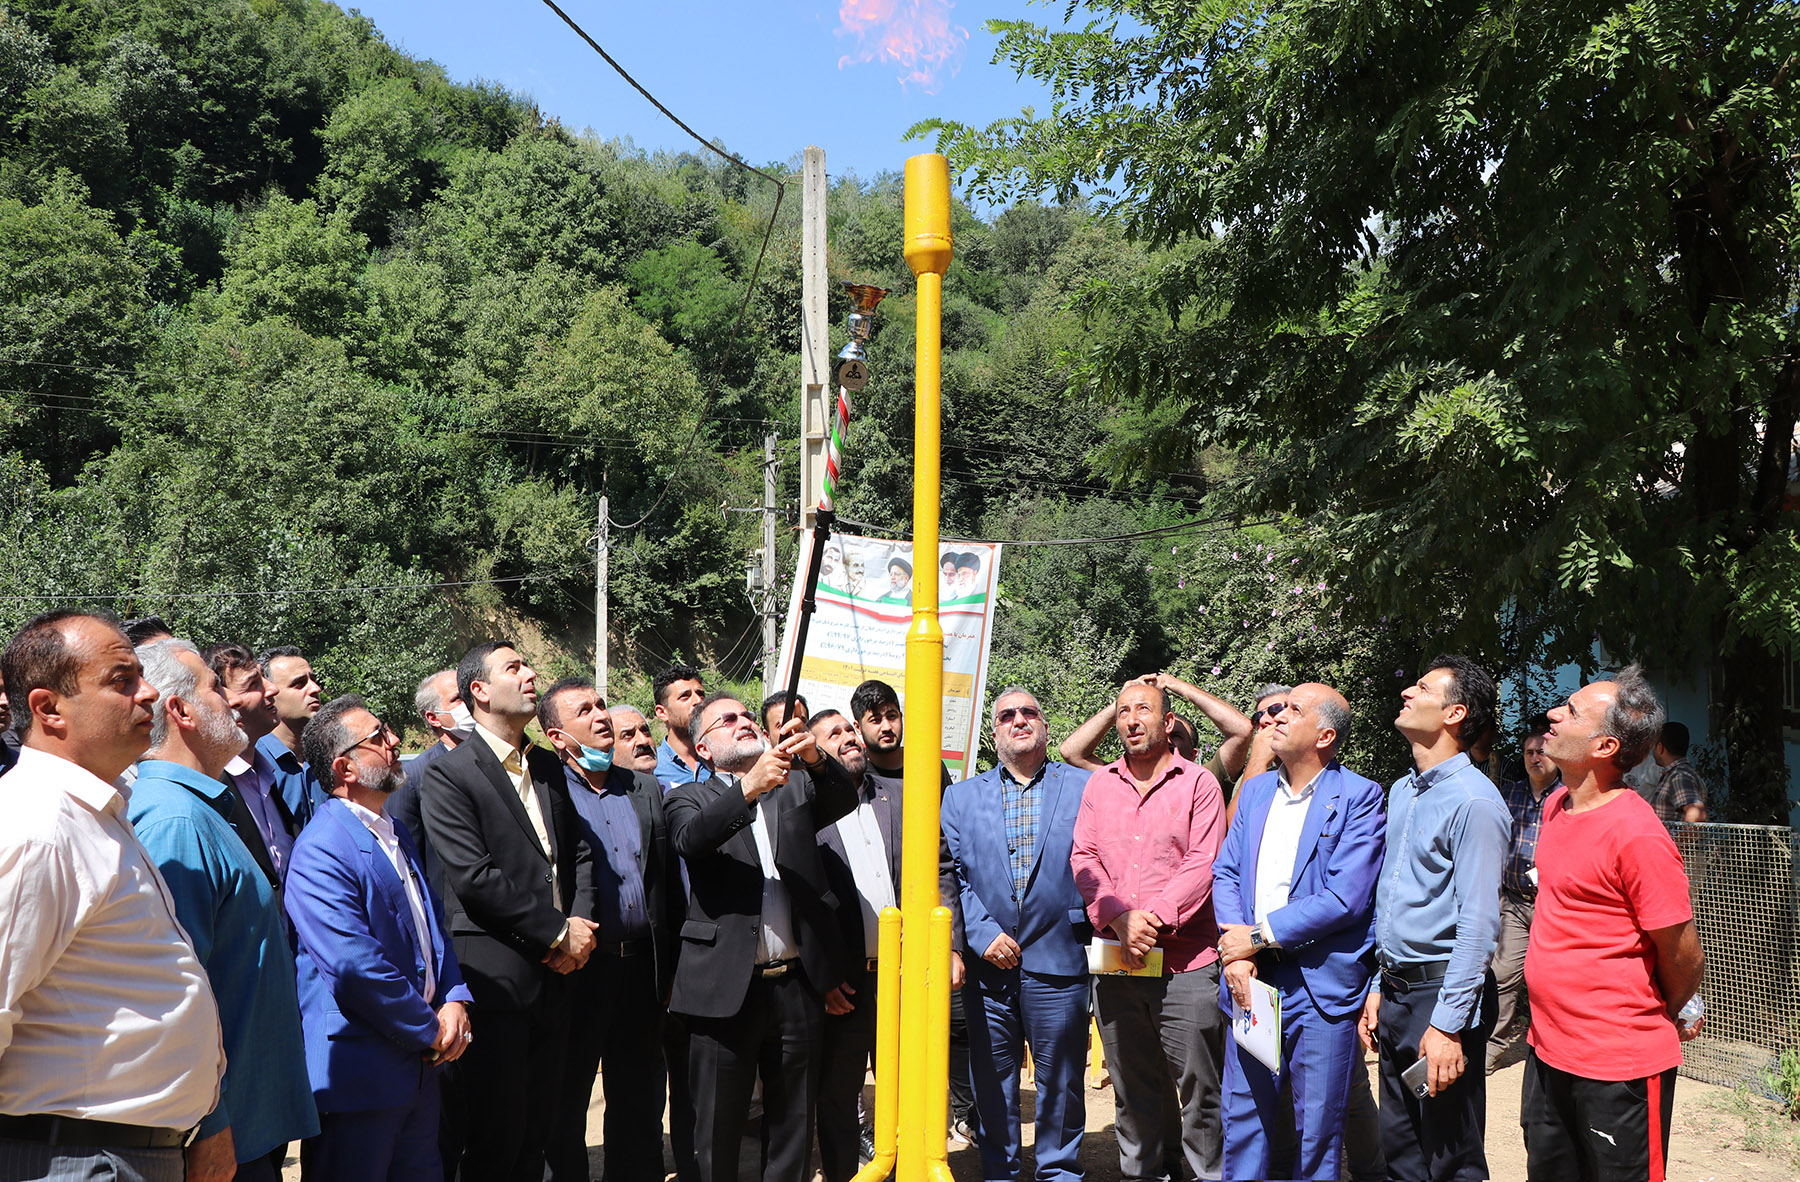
(615, 1026)
(1438, 1138)
(500, 1096)
(774, 1036)
(848, 1044)
(1595, 1130)
(681, 1097)
(962, 1081)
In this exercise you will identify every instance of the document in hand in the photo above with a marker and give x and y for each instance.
(1103, 956)
(1258, 1029)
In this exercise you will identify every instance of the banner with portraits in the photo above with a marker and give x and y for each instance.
(858, 632)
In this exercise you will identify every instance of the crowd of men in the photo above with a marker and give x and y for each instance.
(234, 921)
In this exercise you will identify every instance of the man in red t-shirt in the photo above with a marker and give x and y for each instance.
(1613, 953)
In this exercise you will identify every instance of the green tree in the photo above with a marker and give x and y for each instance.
(292, 261)
(1501, 299)
(376, 145)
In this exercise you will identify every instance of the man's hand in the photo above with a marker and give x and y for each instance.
(799, 743)
(1689, 1033)
(1003, 953)
(453, 1033)
(1234, 942)
(769, 772)
(580, 942)
(1238, 975)
(1136, 930)
(1444, 1055)
(1366, 1025)
(212, 1159)
(957, 973)
(837, 1001)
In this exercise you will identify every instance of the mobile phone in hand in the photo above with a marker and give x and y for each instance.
(1417, 1078)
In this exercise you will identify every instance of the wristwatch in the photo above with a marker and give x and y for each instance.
(1257, 943)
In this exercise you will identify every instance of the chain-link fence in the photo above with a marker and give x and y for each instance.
(1745, 884)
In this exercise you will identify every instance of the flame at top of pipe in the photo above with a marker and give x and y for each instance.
(916, 35)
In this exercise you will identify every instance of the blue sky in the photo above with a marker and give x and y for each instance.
(763, 76)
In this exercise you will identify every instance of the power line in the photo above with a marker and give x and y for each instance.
(657, 103)
(280, 592)
(1164, 531)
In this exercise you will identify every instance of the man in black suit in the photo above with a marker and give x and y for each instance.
(617, 1019)
(758, 946)
(519, 897)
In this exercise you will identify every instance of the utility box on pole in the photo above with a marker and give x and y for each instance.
(815, 337)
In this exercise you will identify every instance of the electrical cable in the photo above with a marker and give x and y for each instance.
(141, 593)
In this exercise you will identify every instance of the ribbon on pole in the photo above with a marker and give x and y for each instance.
(834, 447)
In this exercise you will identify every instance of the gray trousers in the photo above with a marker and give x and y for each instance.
(28, 1161)
(1164, 1035)
(1514, 1012)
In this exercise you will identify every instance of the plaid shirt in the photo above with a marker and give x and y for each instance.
(1527, 819)
(1021, 804)
(1679, 788)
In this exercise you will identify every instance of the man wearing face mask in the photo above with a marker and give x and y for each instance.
(447, 717)
(382, 999)
(619, 993)
(227, 906)
(758, 944)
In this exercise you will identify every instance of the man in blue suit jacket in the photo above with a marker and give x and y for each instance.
(381, 997)
(1294, 891)
(1025, 929)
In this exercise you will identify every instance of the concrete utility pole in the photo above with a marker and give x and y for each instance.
(815, 337)
(600, 605)
(771, 607)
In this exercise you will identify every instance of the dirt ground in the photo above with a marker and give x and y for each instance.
(1719, 1136)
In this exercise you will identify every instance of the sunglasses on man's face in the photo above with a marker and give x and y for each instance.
(1270, 711)
(1005, 717)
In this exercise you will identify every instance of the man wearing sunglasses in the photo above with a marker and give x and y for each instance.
(758, 946)
(1009, 833)
(382, 997)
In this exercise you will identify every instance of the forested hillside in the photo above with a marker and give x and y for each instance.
(301, 341)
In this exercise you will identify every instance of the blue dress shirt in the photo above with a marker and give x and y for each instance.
(609, 824)
(228, 909)
(294, 782)
(671, 770)
(1448, 835)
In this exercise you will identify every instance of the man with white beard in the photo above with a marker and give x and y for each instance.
(226, 904)
(758, 946)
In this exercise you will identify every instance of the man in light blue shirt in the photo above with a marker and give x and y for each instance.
(678, 690)
(1437, 919)
(227, 906)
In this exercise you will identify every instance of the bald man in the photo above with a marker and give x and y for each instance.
(1294, 889)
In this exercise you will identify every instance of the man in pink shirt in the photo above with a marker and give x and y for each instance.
(1149, 828)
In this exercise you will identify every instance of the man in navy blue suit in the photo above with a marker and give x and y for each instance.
(382, 1000)
(1294, 891)
(1009, 833)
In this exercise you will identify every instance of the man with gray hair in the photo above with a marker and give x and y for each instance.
(636, 749)
(1009, 833)
(447, 717)
(227, 905)
(1613, 956)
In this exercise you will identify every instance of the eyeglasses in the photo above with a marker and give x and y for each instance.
(729, 718)
(381, 731)
(1011, 712)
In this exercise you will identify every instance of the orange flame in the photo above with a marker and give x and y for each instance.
(916, 35)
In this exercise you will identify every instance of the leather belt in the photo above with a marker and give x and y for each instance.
(70, 1130)
(640, 947)
(871, 965)
(774, 968)
(1409, 975)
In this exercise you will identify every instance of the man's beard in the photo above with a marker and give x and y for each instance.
(855, 762)
(384, 780)
(738, 755)
(220, 732)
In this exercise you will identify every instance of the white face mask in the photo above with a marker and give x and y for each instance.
(463, 723)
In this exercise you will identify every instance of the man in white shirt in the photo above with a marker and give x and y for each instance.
(1294, 891)
(109, 1035)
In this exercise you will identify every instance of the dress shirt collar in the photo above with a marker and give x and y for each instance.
(213, 791)
(1174, 769)
(1006, 774)
(1424, 780)
(238, 766)
(72, 778)
(1292, 793)
(615, 783)
(380, 824)
(502, 749)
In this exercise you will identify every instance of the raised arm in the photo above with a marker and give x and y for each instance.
(1232, 725)
(1081, 748)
